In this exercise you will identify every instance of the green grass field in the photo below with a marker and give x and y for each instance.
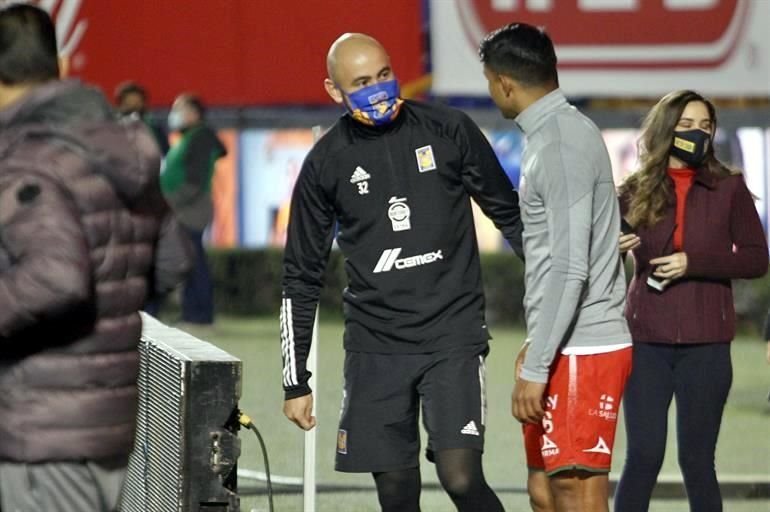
(744, 446)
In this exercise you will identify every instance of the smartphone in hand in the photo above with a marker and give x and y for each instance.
(656, 284)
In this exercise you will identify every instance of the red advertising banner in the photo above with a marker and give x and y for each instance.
(615, 47)
(231, 52)
(621, 33)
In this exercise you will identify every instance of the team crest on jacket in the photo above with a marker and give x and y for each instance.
(425, 160)
(399, 214)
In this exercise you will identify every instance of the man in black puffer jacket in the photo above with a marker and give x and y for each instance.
(85, 236)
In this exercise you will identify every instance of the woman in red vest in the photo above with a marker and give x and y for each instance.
(696, 228)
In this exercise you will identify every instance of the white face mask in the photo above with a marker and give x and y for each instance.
(175, 120)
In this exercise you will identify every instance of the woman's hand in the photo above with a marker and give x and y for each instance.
(671, 267)
(629, 242)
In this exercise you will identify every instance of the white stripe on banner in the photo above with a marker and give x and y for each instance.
(483, 387)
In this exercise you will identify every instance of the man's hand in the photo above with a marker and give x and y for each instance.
(520, 360)
(300, 410)
(527, 401)
(670, 267)
(629, 242)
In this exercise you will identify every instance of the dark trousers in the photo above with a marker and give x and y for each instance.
(699, 376)
(198, 292)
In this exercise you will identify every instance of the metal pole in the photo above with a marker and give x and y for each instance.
(309, 473)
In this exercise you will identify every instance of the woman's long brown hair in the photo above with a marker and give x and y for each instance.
(649, 191)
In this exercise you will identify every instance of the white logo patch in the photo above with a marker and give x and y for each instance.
(359, 175)
(425, 159)
(389, 258)
(606, 403)
(360, 178)
(470, 429)
(549, 448)
(606, 408)
(399, 214)
(601, 447)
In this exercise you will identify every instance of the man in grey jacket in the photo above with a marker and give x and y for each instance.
(84, 236)
(578, 351)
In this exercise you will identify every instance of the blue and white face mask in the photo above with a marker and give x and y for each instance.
(375, 105)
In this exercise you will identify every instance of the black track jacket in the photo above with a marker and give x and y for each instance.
(400, 198)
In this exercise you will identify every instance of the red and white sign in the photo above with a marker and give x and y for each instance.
(70, 27)
(616, 47)
(231, 52)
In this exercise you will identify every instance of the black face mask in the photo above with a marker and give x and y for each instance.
(690, 146)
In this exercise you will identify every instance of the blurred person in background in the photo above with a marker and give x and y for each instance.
(131, 100)
(695, 227)
(84, 235)
(573, 366)
(186, 182)
(396, 177)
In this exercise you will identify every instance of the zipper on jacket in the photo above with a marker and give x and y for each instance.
(398, 179)
(687, 200)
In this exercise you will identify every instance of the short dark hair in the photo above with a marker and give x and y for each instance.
(126, 88)
(194, 101)
(28, 51)
(522, 52)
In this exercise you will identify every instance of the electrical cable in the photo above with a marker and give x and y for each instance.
(245, 420)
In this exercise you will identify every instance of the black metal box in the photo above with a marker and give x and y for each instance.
(186, 447)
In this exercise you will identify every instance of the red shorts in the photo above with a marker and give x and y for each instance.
(583, 397)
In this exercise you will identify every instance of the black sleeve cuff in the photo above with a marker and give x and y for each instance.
(296, 391)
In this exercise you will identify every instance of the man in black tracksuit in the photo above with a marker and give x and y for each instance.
(396, 177)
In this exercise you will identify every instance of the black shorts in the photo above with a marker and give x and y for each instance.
(379, 428)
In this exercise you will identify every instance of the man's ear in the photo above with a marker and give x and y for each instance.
(508, 85)
(64, 66)
(333, 91)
